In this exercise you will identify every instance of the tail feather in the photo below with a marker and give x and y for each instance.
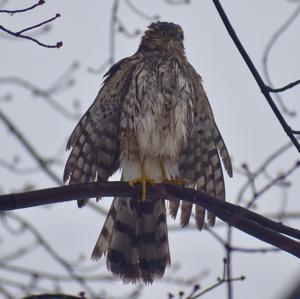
(186, 210)
(173, 207)
(199, 216)
(152, 233)
(135, 239)
(103, 241)
(122, 257)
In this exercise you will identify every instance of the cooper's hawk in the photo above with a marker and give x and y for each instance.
(152, 119)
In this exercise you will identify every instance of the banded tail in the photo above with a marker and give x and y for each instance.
(135, 239)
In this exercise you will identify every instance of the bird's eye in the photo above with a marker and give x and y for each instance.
(163, 33)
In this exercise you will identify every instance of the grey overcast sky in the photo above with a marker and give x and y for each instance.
(246, 122)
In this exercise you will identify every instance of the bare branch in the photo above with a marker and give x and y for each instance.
(270, 45)
(140, 13)
(12, 167)
(284, 88)
(220, 280)
(67, 266)
(228, 262)
(116, 25)
(264, 89)
(273, 182)
(29, 147)
(19, 34)
(253, 175)
(39, 25)
(123, 29)
(255, 250)
(245, 220)
(176, 2)
(53, 296)
(40, 2)
(47, 94)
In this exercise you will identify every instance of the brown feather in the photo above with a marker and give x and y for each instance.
(200, 159)
(135, 239)
(95, 141)
(152, 110)
(173, 207)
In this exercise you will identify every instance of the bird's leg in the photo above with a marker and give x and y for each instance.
(164, 177)
(143, 180)
(166, 180)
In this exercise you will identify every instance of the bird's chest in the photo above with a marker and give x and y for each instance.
(161, 131)
(160, 112)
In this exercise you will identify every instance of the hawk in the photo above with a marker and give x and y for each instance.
(151, 119)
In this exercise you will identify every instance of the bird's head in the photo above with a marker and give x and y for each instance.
(162, 36)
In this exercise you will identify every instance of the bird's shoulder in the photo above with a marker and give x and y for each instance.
(124, 65)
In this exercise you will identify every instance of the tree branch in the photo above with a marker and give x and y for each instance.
(264, 89)
(53, 296)
(112, 36)
(41, 162)
(40, 2)
(284, 88)
(39, 25)
(47, 94)
(245, 220)
(266, 56)
(20, 34)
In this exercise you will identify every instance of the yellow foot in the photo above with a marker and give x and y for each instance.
(180, 181)
(143, 180)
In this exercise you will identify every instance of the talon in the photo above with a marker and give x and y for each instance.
(180, 181)
(143, 180)
(166, 180)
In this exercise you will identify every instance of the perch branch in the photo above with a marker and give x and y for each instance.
(245, 220)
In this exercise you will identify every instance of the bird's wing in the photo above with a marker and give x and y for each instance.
(200, 160)
(96, 138)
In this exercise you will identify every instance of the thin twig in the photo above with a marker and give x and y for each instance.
(138, 12)
(53, 296)
(228, 263)
(57, 45)
(20, 34)
(284, 88)
(45, 94)
(255, 250)
(220, 281)
(38, 25)
(254, 174)
(13, 11)
(270, 45)
(125, 31)
(51, 251)
(176, 2)
(272, 183)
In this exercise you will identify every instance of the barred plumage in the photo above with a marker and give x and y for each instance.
(152, 119)
(95, 141)
(139, 229)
